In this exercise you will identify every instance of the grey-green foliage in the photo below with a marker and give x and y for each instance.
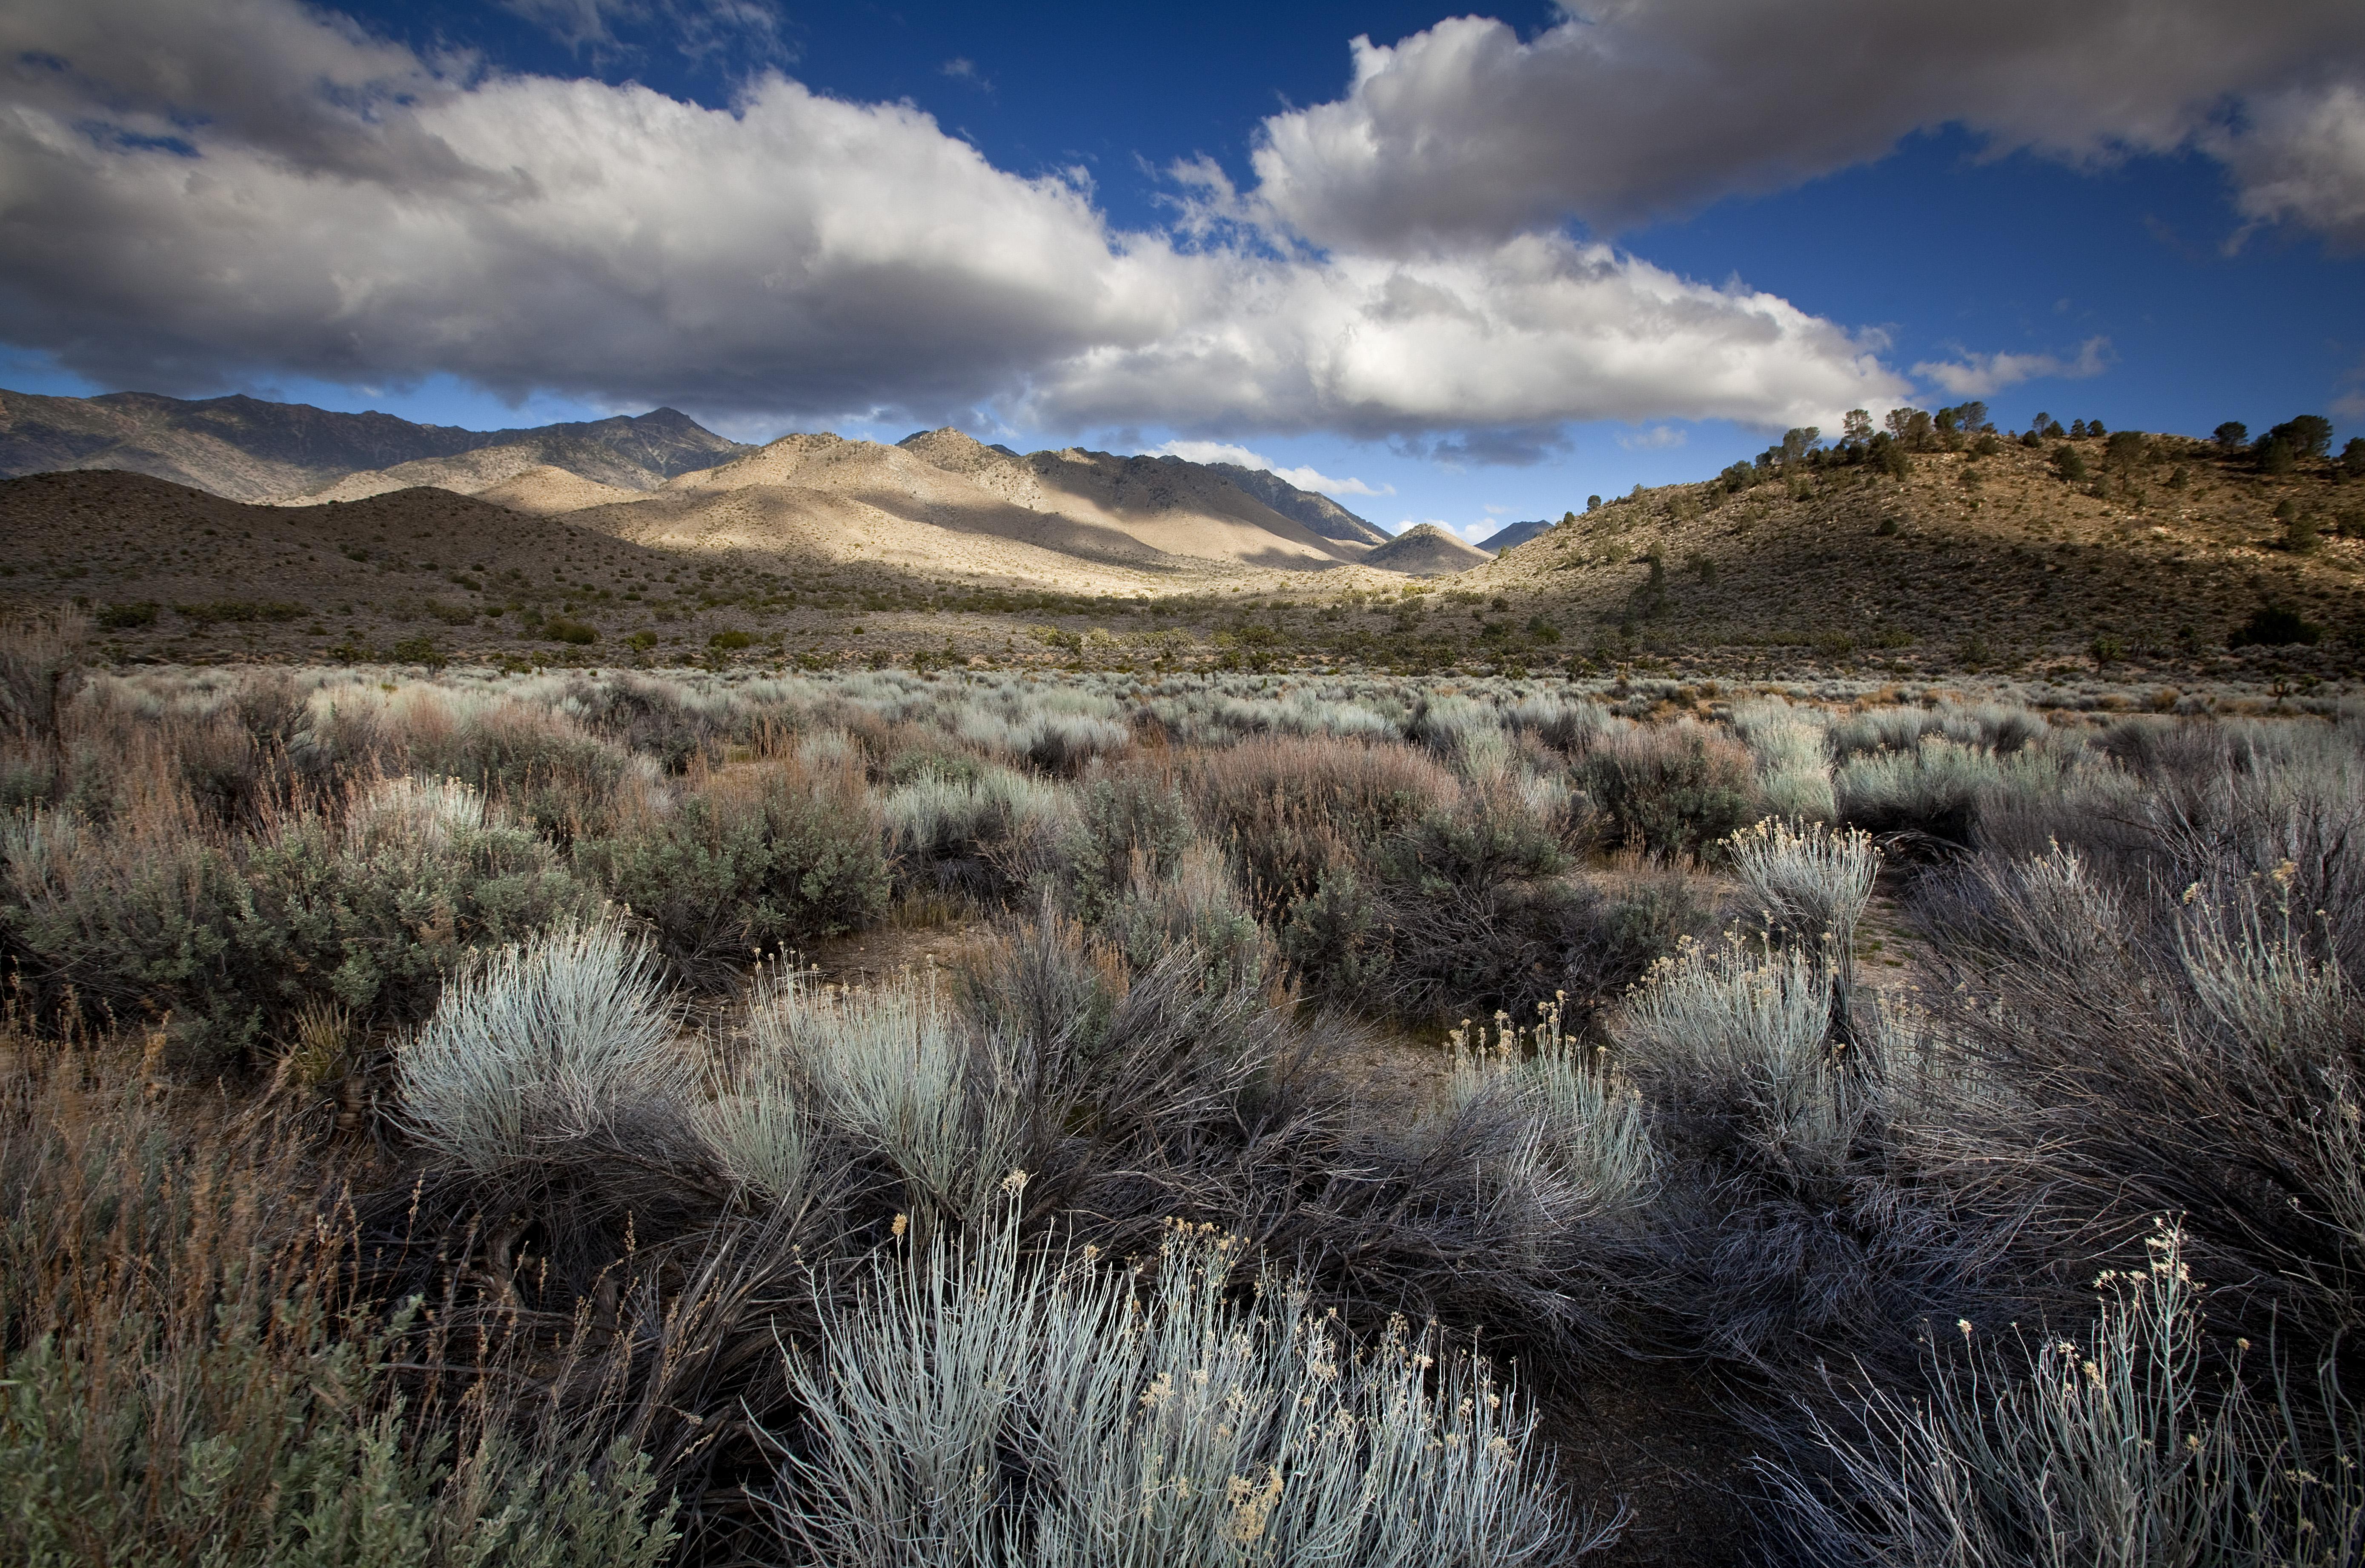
(1743, 1038)
(1794, 768)
(983, 828)
(1583, 1129)
(794, 857)
(233, 938)
(282, 1447)
(541, 1043)
(977, 1407)
(1812, 884)
(1199, 905)
(1127, 828)
(2119, 1448)
(892, 1070)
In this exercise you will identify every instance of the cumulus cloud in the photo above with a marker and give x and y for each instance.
(1633, 109)
(1305, 477)
(1981, 374)
(190, 197)
(2301, 158)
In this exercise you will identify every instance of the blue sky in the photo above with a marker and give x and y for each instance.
(1590, 251)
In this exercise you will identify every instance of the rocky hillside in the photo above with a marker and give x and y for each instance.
(2134, 548)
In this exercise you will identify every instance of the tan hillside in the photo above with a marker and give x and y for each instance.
(173, 572)
(1140, 513)
(987, 541)
(544, 490)
(1966, 557)
(462, 474)
(1185, 510)
(1426, 551)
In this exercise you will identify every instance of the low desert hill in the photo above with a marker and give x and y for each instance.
(2161, 548)
(247, 449)
(1426, 551)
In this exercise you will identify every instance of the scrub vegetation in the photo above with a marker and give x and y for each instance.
(445, 1121)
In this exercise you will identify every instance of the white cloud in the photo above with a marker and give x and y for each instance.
(193, 195)
(1982, 374)
(1639, 108)
(1514, 336)
(2301, 158)
(1658, 438)
(1305, 478)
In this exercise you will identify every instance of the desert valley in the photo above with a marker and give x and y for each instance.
(826, 788)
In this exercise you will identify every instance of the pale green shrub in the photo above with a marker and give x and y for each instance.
(1583, 1123)
(541, 1042)
(2117, 1447)
(1794, 770)
(978, 1408)
(893, 1068)
(1812, 883)
(759, 1129)
(1745, 1034)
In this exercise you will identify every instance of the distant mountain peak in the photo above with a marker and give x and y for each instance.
(1513, 534)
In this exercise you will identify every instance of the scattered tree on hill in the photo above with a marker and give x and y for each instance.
(1910, 428)
(1856, 425)
(2277, 458)
(2077, 429)
(1797, 443)
(2124, 450)
(2310, 435)
(2233, 435)
(1970, 417)
(2068, 464)
(2352, 457)
(2094, 427)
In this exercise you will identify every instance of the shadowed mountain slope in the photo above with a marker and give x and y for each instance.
(1512, 534)
(1315, 509)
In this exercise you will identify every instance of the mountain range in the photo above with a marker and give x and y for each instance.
(244, 448)
(938, 500)
(2173, 560)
